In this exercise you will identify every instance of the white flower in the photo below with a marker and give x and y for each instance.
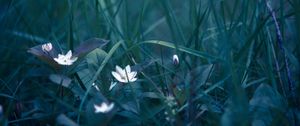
(175, 59)
(47, 47)
(104, 107)
(124, 75)
(65, 59)
(112, 85)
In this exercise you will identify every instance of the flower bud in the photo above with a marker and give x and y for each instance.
(47, 47)
(175, 60)
(97, 88)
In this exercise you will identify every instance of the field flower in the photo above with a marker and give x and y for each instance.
(175, 59)
(124, 75)
(65, 59)
(47, 47)
(104, 107)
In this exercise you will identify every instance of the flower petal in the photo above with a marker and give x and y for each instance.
(56, 59)
(74, 59)
(133, 79)
(128, 69)
(67, 63)
(117, 76)
(110, 107)
(99, 108)
(112, 85)
(120, 70)
(132, 75)
(60, 56)
(103, 108)
(59, 61)
(69, 54)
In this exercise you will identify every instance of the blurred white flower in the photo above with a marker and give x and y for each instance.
(124, 75)
(171, 101)
(47, 47)
(104, 107)
(175, 59)
(65, 59)
(112, 85)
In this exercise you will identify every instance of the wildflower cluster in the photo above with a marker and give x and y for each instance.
(171, 110)
(122, 75)
(67, 59)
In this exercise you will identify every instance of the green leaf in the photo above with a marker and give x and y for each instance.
(88, 46)
(46, 57)
(63, 120)
(60, 79)
(151, 95)
(66, 82)
(94, 59)
(91, 63)
(130, 106)
(265, 96)
(182, 48)
(267, 102)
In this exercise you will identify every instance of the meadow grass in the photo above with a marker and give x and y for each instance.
(238, 62)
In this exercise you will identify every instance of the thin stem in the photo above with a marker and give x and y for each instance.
(292, 86)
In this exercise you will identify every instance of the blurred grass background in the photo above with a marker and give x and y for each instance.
(232, 70)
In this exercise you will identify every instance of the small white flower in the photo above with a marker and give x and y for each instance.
(104, 107)
(124, 75)
(47, 47)
(175, 59)
(112, 85)
(65, 59)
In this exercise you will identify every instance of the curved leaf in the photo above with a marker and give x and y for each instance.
(88, 46)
